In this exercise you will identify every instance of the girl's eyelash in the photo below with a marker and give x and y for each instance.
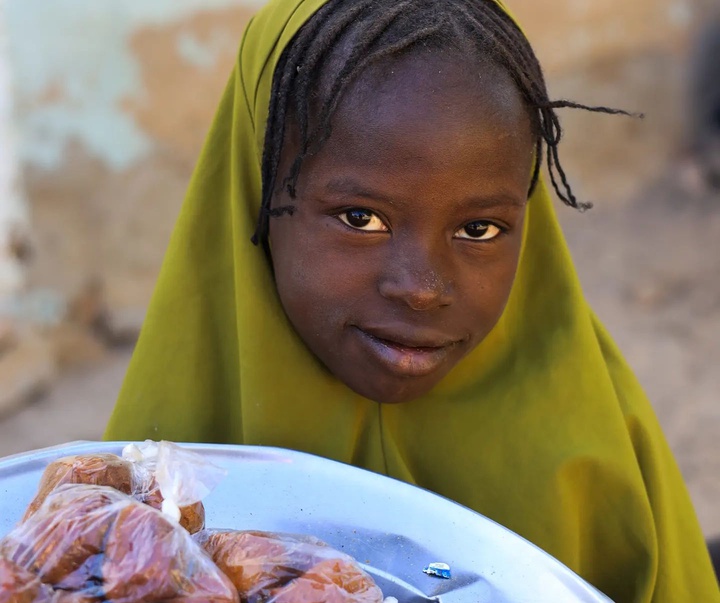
(502, 230)
(345, 222)
(338, 214)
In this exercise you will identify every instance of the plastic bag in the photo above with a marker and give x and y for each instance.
(94, 543)
(18, 585)
(179, 478)
(96, 469)
(330, 581)
(162, 475)
(271, 567)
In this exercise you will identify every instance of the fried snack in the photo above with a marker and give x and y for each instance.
(192, 517)
(61, 542)
(96, 469)
(97, 544)
(18, 585)
(257, 562)
(171, 567)
(265, 565)
(330, 581)
(113, 471)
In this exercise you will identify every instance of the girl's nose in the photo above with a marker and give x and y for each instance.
(421, 287)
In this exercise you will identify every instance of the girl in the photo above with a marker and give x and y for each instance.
(409, 305)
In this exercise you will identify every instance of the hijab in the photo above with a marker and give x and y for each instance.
(543, 427)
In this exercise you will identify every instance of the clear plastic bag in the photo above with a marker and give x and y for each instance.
(330, 581)
(177, 477)
(96, 469)
(94, 543)
(269, 567)
(160, 474)
(18, 585)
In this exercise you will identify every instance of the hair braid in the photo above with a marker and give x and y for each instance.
(344, 37)
(353, 65)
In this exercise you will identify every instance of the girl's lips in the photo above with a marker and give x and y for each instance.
(404, 360)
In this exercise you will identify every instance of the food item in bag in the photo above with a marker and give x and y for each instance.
(192, 517)
(18, 585)
(260, 564)
(104, 469)
(96, 469)
(63, 541)
(97, 544)
(157, 576)
(330, 581)
(256, 562)
(178, 479)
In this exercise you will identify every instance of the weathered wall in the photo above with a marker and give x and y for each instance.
(114, 100)
(629, 55)
(13, 209)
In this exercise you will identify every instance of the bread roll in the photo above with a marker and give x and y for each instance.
(62, 540)
(256, 562)
(330, 581)
(266, 565)
(115, 472)
(96, 469)
(18, 585)
(192, 517)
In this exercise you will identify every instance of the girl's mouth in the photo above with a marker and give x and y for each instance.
(403, 358)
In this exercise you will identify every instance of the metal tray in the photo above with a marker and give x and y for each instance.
(393, 529)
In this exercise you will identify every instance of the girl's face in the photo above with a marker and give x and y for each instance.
(400, 257)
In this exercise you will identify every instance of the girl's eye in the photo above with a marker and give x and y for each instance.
(362, 219)
(479, 230)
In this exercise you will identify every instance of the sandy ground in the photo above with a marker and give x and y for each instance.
(650, 270)
(649, 266)
(76, 408)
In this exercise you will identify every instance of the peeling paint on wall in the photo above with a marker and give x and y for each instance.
(74, 69)
(13, 209)
(204, 54)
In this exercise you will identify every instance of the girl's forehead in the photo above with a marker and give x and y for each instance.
(434, 85)
(427, 124)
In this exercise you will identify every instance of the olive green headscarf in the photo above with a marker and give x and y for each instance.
(542, 428)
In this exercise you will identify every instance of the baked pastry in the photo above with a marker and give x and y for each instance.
(258, 562)
(18, 585)
(173, 566)
(330, 581)
(192, 517)
(105, 469)
(265, 565)
(100, 545)
(96, 469)
(63, 540)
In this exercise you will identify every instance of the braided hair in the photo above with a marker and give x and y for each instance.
(344, 37)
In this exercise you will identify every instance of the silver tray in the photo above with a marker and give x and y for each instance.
(393, 529)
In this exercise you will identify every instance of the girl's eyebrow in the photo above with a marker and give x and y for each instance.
(501, 199)
(350, 187)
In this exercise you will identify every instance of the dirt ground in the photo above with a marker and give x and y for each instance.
(649, 266)
(650, 270)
